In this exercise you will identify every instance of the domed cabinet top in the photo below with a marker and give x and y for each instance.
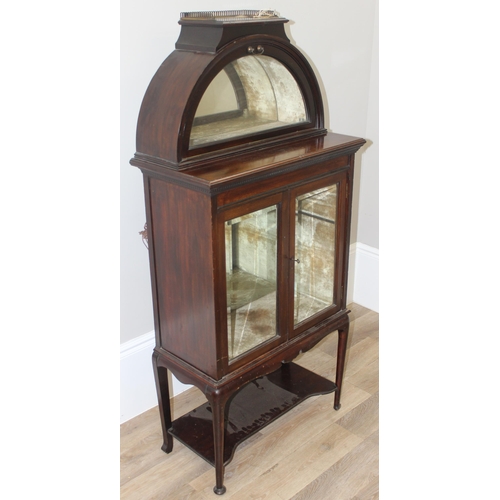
(233, 83)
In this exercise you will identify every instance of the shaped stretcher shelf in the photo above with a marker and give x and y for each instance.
(256, 405)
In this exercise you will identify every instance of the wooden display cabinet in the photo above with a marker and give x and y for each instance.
(248, 202)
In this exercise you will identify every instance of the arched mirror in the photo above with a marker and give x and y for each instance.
(251, 95)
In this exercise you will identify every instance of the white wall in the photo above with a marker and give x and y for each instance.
(339, 38)
(368, 207)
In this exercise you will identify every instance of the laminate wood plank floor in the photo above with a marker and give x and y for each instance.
(312, 452)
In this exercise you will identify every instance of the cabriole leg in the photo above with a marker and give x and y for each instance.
(161, 378)
(341, 352)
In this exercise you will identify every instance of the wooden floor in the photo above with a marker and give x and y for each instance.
(312, 452)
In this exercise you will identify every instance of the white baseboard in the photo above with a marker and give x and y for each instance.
(363, 276)
(350, 274)
(137, 384)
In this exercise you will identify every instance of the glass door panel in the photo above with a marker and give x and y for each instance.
(251, 279)
(315, 214)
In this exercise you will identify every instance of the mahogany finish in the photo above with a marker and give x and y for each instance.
(253, 407)
(190, 195)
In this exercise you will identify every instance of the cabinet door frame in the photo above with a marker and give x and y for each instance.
(340, 179)
(225, 214)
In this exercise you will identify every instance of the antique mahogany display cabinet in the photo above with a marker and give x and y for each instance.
(248, 202)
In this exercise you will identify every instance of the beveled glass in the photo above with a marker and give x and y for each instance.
(315, 214)
(251, 277)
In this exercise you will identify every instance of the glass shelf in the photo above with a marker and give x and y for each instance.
(250, 312)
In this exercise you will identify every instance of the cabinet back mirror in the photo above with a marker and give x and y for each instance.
(252, 94)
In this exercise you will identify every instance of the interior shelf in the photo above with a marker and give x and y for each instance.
(256, 405)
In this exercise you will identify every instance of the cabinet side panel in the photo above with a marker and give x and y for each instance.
(182, 235)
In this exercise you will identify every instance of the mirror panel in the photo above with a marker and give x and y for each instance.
(220, 97)
(252, 94)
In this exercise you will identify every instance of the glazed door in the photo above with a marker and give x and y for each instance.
(316, 249)
(253, 243)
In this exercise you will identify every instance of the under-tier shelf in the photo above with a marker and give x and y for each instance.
(256, 405)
